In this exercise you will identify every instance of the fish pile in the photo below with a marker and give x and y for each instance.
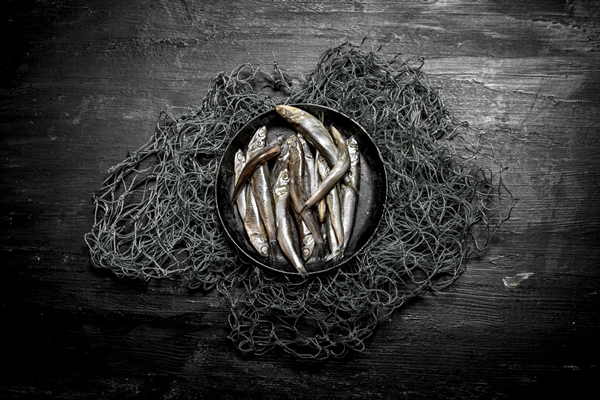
(313, 183)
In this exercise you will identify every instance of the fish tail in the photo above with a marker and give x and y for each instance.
(302, 271)
(273, 251)
(319, 250)
(341, 253)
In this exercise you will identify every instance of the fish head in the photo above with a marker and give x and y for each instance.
(238, 164)
(260, 243)
(259, 139)
(292, 141)
(308, 246)
(296, 151)
(264, 250)
(240, 159)
(352, 149)
(288, 112)
(282, 184)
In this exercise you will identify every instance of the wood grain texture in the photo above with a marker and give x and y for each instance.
(83, 83)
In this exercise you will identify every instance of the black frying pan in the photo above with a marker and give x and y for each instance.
(372, 193)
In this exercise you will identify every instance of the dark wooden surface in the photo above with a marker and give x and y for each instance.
(83, 83)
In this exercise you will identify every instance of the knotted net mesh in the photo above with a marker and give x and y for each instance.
(156, 212)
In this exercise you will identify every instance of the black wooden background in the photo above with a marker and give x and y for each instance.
(83, 82)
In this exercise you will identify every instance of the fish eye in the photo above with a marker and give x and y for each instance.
(264, 250)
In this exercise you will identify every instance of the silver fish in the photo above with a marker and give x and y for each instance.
(266, 207)
(336, 136)
(333, 203)
(256, 159)
(261, 185)
(254, 226)
(298, 196)
(322, 210)
(339, 141)
(258, 141)
(312, 129)
(281, 161)
(281, 195)
(311, 179)
(321, 205)
(307, 241)
(336, 173)
(349, 193)
(308, 245)
(334, 245)
(238, 164)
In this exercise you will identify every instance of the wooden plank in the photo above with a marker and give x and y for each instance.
(86, 84)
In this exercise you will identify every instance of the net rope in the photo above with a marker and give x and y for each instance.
(155, 212)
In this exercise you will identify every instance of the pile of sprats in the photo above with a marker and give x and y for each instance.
(304, 205)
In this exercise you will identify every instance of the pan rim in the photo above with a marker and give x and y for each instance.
(379, 210)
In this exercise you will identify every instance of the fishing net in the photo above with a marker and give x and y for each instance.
(156, 212)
